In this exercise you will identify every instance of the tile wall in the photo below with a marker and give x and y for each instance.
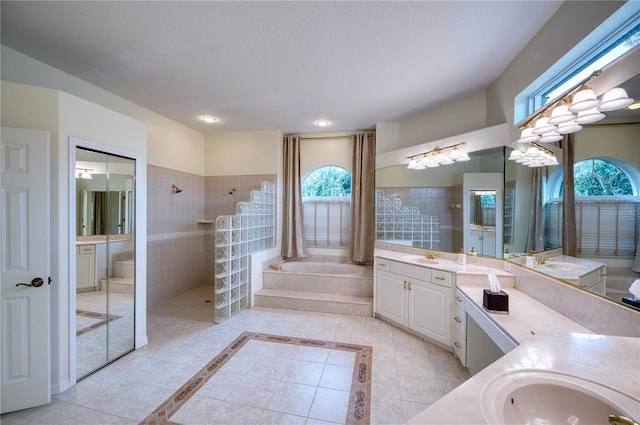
(179, 249)
(431, 201)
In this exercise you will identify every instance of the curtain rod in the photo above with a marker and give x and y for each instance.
(318, 137)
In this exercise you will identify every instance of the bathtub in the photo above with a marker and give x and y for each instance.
(320, 276)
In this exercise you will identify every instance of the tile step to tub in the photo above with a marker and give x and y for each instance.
(318, 302)
(120, 285)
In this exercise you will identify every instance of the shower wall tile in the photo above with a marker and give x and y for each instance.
(175, 240)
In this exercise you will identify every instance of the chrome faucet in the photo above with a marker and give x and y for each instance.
(278, 265)
(430, 256)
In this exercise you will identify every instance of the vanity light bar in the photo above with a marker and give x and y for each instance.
(436, 157)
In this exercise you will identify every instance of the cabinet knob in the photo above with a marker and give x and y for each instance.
(409, 285)
(405, 284)
(456, 344)
(458, 298)
(439, 278)
(457, 319)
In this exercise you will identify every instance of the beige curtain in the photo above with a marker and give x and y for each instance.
(535, 235)
(293, 244)
(361, 238)
(569, 238)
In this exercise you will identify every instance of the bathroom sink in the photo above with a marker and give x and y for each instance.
(419, 259)
(544, 397)
(559, 265)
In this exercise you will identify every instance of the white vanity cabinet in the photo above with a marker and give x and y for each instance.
(416, 297)
(595, 280)
(459, 336)
(85, 268)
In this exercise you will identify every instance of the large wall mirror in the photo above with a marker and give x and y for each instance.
(608, 231)
(105, 258)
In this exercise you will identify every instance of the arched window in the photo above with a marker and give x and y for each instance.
(607, 208)
(326, 197)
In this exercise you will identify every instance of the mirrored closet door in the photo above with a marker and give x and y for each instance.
(105, 258)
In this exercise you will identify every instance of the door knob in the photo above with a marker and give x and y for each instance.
(37, 282)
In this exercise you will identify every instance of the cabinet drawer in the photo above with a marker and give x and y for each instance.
(382, 264)
(441, 278)
(409, 270)
(459, 320)
(459, 348)
(85, 249)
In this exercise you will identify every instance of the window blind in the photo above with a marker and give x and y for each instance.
(327, 221)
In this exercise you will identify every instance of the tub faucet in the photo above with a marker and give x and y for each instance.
(277, 266)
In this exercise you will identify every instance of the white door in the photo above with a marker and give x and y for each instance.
(26, 363)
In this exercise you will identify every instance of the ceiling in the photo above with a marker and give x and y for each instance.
(265, 65)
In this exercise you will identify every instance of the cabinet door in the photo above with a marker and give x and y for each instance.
(85, 271)
(391, 296)
(430, 310)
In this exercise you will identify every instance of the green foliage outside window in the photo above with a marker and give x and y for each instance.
(327, 181)
(596, 177)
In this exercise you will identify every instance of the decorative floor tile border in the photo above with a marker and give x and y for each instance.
(358, 413)
(104, 319)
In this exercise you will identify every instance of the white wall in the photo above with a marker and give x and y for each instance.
(170, 144)
(315, 153)
(240, 153)
(64, 116)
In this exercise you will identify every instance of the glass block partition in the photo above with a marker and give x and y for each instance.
(250, 230)
(399, 223)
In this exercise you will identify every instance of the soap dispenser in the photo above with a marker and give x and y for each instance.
(462, 258)
(473, 252)
(530, 260)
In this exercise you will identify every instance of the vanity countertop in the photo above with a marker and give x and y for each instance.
(98, 239)
(548, 341)
(440, 264)
(583, 267)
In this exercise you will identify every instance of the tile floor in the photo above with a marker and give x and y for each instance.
(408, 374)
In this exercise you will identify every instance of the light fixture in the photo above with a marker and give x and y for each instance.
(589, 116)
(209, 119)
(527, 136)
(614, 99)
(565, 114)
(83, 173)
(561, 114)
(437, 157)
(535, 156)
(584, 99)
(543, 126)
(322, 123)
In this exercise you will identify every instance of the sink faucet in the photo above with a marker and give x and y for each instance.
(541, 260)
(277, 266)
(430, 256)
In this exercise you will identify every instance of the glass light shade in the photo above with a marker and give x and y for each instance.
(550, 137)
(440, 157)
(560, 114)
(542, 126)
(455, 153)
(532, 152)
(412, 164)
(614, 99)
(583, 100)
(568, 127)
(523, 161)
(515, 154)
(85, 175)
(589, 116)
(447, 161)
(527, 136)
(463, 158)
(432, 164)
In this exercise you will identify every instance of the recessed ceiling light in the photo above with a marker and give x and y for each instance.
(208, 119)
(322, 123)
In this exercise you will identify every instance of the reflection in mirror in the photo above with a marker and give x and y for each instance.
(105, 260)
(607, 206)
(424, 208)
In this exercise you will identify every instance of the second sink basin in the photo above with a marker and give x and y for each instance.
(544, 397)
(559, 265)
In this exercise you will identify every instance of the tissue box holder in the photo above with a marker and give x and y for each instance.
(495, 301)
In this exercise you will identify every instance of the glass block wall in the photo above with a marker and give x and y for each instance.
(250, 230)
(405, 224)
